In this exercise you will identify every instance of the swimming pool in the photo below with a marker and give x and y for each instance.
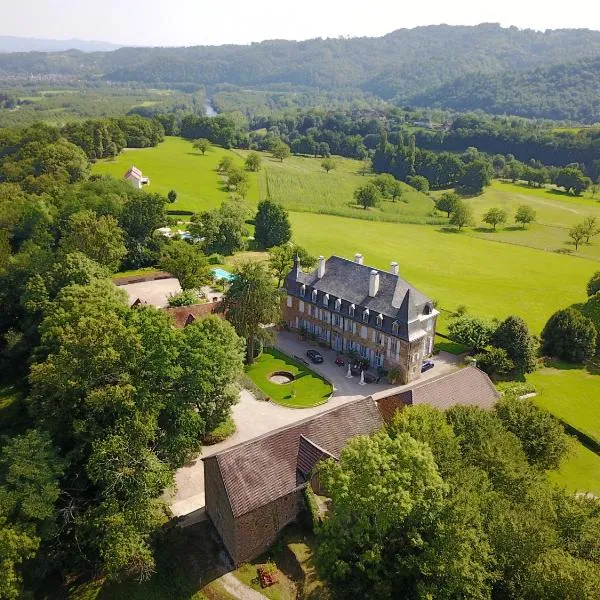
(222, 274)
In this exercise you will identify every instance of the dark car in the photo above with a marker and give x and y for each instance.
(315, 357)
(370, 377)
(428, 364)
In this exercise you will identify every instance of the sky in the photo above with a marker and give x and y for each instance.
(198, 22)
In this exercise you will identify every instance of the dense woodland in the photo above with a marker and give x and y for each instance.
(500, 70)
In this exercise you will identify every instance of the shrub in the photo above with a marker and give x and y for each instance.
(185, 298)
(513, 336)
(494, 362)
(220, 432)
(593, 285)
(216, 259)
(569, 335)
(313, 509)
(471, 331)
(542, 437)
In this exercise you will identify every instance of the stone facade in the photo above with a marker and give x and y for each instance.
(389, 342)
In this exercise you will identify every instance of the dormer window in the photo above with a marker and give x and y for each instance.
(395, 327)
(351, 310)
(338, 304)
(427, 309)
(366, 315)
(379, 320)
(303, 290)
(326, 300)
(314, 295)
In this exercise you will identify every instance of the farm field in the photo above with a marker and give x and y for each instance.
(175, 164)
(492, 280)
(572, 394)
(556, 213)
(300, 184)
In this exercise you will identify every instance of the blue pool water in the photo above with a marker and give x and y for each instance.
(222, 274)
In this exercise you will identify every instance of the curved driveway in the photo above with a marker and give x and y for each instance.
(254, 417)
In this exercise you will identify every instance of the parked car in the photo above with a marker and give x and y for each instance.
(370, 377)
(315, 357)
(339, 361)
(428, 364)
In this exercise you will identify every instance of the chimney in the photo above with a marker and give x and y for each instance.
(394, 268)
(358, 258)
(373, 283)
(321, 267)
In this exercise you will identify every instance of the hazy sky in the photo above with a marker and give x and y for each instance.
(192, 22)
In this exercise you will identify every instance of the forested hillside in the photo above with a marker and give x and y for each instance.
(489, 67)
(566, 91)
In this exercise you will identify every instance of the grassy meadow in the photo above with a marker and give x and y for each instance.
(556, 213)
(571, 393)
(492, 280)
(301, 185)
(176, 165)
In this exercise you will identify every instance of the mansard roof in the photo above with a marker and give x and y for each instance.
(396, 299)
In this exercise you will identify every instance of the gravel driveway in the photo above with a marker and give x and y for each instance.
(254, 417)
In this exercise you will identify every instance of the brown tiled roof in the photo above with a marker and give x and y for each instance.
(309, 454)
(468, 386)
(184, 315)
(261, 470)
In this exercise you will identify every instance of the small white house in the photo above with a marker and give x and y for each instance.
(136, 178)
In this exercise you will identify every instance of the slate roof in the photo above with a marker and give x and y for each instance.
(468, 386)
(266, 468)
(396, 300)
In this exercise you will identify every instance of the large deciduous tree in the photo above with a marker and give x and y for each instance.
(513, 336)
(471, 331)
(475, 176)
(542, 437)
(571, 178)
(251, 302)
(524, 215)
(272, 226)
(367, 195)
(98, 237)
(495, 216)
(187, 263)
(446, 202)
(593, 285)
(461, 215)
(569, 335)
(281, 260)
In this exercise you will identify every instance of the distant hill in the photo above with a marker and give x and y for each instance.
(10, 43)
(526, 72)
(562, 92)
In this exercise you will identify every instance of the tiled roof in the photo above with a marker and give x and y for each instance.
(309, 454)
(468, 386)
(261, 470)
(184, 315)
(396, 300)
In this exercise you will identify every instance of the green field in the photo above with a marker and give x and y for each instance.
(492, 280)
(580, 472)
(572, 394)
(556, 213)
(300, 184)
(307, 389)
(175, 164)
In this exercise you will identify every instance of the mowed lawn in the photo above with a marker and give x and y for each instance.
(492, 280)
(176, 165)
(572, 394)
(300, 184)
(307, 389)
(556, 213)
(580, 472)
